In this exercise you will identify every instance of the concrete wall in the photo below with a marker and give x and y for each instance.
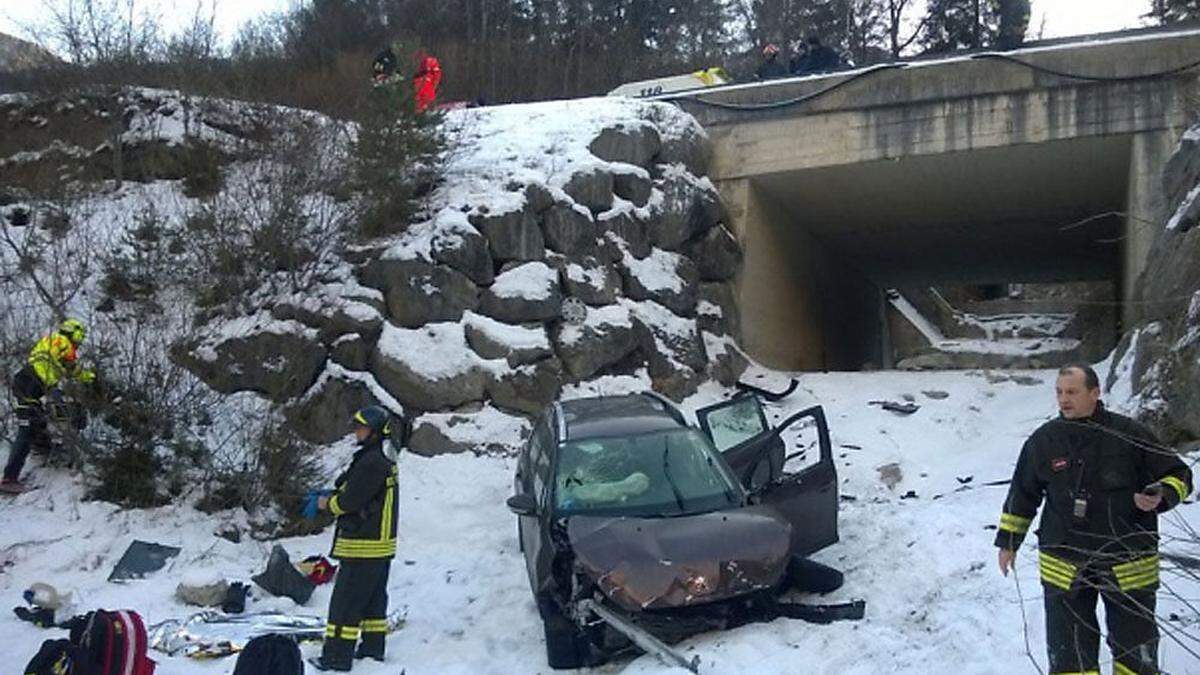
(951, 109)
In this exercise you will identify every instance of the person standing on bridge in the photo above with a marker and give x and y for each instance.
(1105, 478)
(1014, 22)
(772, 65)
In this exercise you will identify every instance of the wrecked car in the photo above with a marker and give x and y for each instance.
(638, 528)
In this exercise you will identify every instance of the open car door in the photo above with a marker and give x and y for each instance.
(789, 468)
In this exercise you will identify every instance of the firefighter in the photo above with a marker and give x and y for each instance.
(426, 81)
(1105, 478)
(52, 360)
(366, 501)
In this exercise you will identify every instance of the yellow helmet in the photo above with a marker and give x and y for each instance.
(74, 330)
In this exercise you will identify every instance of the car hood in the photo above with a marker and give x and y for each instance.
(660, 563)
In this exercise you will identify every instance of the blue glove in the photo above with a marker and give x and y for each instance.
(310, 509)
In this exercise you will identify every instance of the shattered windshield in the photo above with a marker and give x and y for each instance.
(665, 473)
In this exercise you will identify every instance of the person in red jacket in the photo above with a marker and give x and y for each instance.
(426, 81)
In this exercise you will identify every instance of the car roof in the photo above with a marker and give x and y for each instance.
(626, 415)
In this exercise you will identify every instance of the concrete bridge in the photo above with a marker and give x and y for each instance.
(1041, 164)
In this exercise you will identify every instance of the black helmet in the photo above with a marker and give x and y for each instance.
(375, 417)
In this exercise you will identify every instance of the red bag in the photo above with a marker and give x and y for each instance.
(110, 643)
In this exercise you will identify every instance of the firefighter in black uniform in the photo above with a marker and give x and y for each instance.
(1105, 479)
(366, 501)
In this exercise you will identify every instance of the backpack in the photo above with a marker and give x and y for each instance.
(270, 655)
(52, 659)
(109, 643)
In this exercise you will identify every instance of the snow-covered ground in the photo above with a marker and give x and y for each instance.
(924, 564)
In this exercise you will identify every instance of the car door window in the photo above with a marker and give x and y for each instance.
(733, 422)
(802, 443)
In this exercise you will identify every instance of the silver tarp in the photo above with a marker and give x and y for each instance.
(212, 634)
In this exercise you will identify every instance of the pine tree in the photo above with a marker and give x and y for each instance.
(1175, 11)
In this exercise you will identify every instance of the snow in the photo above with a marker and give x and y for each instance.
(657, 271)
(1184, 207)
(532, 281)
(1051, 323)
(594, 277)
(497, 150)
(516, 338)
(599, 320)
(487, 427)
(925, 566)
(259, 323)
(434, 351)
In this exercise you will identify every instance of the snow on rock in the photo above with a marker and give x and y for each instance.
(667, 278)
(527, 292)
(605, 337)
(429, 368)
(493, 339)
(486, 432)
(278, 359)
(674, 349)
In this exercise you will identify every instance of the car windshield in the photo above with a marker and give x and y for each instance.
(665, 473)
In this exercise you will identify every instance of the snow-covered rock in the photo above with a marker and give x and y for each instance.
(604, 338)
(518, 344)
(674, 349)
(528, 292)
(528, 388)
(513, 235)
(429, 368)
(717, 255)
(669, 279)
(325, 412)
(591, 281)
(488, 431)
(278, 359)
(636, 144)
(419, 293)
(688, 208)
(591, 188)
(569, 230)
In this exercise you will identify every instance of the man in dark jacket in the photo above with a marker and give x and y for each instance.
(1104, 478)
(366, 501)
(772, 65)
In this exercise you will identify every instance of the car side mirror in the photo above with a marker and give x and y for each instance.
(522, 505)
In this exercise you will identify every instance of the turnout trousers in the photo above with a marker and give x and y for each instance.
(357, 610)
(27, 393)
(1073, 633)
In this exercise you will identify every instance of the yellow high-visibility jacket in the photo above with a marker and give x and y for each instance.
(53, 358)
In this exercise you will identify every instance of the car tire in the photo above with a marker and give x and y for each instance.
(567, 645)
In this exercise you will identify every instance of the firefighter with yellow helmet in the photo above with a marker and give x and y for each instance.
(52, 360)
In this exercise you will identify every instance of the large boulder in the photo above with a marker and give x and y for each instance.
(492, 339)
(667, 278)
(689, 207)
(591, 188)
(717, 254)
(465, 250)
(332, 313)
(629, 233)
(674, 349)
(428, 368)
(569, 231)
(591, 281)
(633, 186)
(325, 413)
(604, 338)
(351, 352)
(278, 359)
(684, 142)
(485, 432)
(527, 389)
(526, 293)
(514, 235)
(419, 293)
(636, 144)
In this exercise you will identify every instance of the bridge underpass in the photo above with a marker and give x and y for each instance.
(959, 172)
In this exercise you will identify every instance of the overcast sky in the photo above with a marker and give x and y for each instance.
(1054, 17)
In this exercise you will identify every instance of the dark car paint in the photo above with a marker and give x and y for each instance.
(551, 544)
(657, 563)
